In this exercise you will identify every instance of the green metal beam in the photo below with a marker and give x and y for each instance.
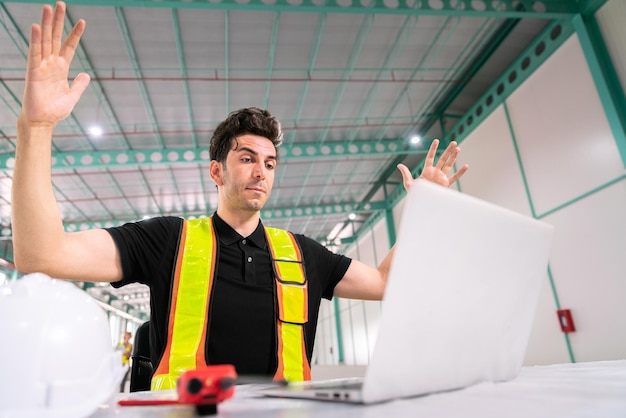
(227, 59)
(605, 78)
(104, 104)
(313, 53)
(183, 73)
(590, 7)
(428, 59)
(346, 74)
(546, 9)
(270, 60)
(476, 65)
(528, 61)
(394, 53)
(267, 214)
(181, 156)
(487, 46)
(391, 226)
(132, 56)
(21, 43)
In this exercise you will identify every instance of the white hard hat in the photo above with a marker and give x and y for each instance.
(56, 356)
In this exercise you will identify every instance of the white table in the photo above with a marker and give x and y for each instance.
(593, 390)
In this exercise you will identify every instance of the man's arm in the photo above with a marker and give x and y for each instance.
(364, 282)
(39, 241)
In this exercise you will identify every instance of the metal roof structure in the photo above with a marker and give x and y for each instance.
(352, 81)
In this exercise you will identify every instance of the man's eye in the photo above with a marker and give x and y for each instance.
(246, 159)
(270, 166)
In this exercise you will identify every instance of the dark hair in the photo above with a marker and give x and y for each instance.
(250, 120)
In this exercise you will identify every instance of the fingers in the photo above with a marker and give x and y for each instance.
(76, 90)
(71, 43)
(51, 30)
(444, 165)
(34, 49)
(432, 151)
(46, 31)
(57, 27)
(449, 154)
(458, 174)
(446, 160)
(407, 177)
(79, 85)
(451, 157)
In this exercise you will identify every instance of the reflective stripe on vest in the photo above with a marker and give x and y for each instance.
(189, 306)
(292, 297)
(191, 294)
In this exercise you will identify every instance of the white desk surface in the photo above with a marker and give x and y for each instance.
(594, 390)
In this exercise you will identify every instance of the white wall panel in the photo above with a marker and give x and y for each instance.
(347, 331)
(494, 174)
(547, 343)
(365, 249)
(589, 271)
(360, 332)
(563, 136)
(325, 348)
(381, 240)
(397, 213)
(356, 344)
(372, 316)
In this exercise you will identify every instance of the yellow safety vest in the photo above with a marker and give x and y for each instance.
(191, 294)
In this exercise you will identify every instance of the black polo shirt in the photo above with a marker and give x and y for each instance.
(242, 321)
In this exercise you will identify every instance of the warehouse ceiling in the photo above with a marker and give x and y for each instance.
(351, 82)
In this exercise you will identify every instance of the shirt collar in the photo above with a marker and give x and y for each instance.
(227, 235)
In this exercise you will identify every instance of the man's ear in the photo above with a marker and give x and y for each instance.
(215, 170)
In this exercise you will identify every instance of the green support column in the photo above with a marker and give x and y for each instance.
(338, 326)
(391, 227)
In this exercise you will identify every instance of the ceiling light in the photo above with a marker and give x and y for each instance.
(95, 131)
(352, 216)
(415, 139)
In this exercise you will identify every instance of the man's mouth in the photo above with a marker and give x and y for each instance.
(256, 189)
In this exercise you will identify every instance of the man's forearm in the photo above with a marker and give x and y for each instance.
(36, 220)
(385, 265)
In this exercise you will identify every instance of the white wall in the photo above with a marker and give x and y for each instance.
(547, 152)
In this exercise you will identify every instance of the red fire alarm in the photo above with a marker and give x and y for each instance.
(565, 320)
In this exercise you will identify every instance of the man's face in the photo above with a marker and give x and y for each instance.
(247, 176)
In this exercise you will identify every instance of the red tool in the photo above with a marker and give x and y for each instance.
(204, 388)
(207, 387)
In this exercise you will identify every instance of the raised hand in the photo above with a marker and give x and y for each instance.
(48, 96)
(437, 173)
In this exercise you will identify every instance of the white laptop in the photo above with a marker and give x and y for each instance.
(459, 304)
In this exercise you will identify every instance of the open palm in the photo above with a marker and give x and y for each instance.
(48, 96)
(436, 173)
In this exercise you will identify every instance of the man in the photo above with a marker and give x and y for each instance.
(224, 289)
(126, 348)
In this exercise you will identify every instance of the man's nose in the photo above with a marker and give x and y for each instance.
(259, 171)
